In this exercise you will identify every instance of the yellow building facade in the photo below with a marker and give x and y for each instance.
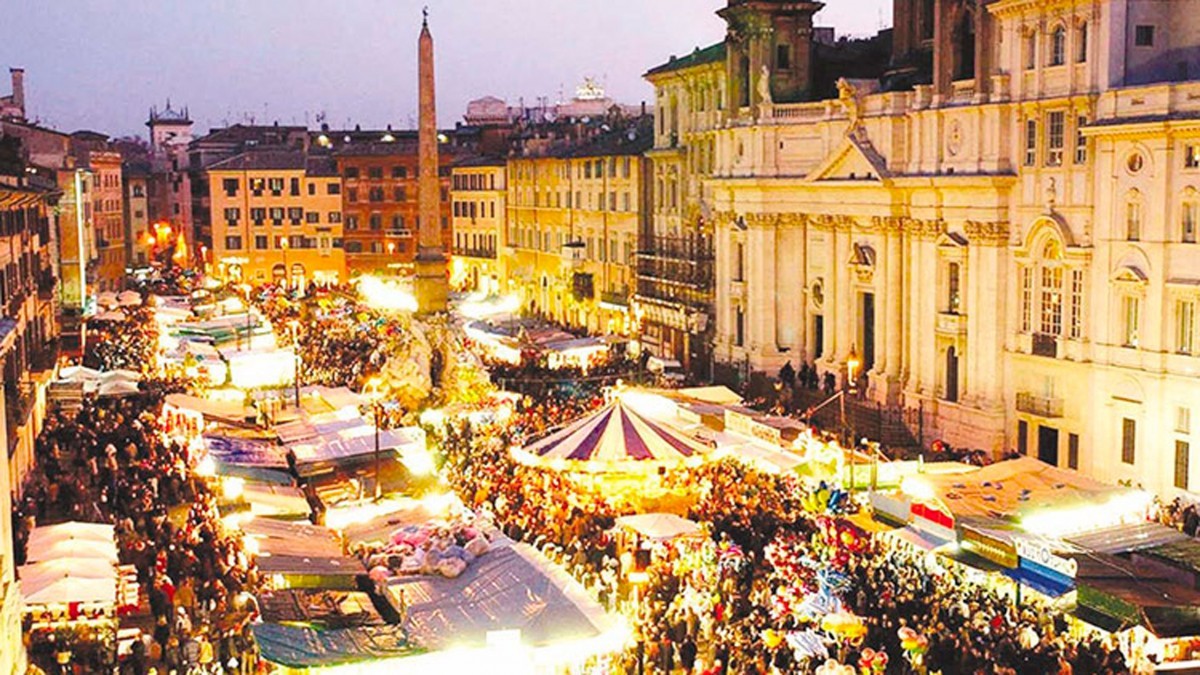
(479, 199)
(277, 218)
(572, 233)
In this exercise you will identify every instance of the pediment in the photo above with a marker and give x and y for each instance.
(854, 159)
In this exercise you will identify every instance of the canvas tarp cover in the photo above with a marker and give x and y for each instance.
(1014, 487)
(509, 588)
(244, 451)
(329, 610)
(307, 647)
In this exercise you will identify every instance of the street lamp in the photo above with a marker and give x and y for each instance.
(374, 390)
(294, 324)
(283, 245)
(852, 366)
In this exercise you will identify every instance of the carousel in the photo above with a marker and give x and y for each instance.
(621, 454)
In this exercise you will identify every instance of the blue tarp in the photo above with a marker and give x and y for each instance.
(307, 647)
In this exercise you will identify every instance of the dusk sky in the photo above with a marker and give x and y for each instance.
(100, 64)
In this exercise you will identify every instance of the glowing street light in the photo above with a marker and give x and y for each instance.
(374, 389)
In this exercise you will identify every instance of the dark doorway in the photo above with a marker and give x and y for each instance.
(952, 375)
(1023, 437)
(868, 331)
(818, 336)
(1048, 445)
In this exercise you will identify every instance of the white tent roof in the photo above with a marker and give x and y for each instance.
(660, 526)
(85, 549)
(79, 374)
(129, 299)
(49, 534)
(106, 299)
(64, 590)
(117, 387)
(49, 570)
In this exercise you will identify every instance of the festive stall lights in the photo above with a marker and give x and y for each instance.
(232, 487)
(1125, 508)
(418, 461)
(477, 306)
(207, 467)
(386, 296)
(433, 417)
(917, 488)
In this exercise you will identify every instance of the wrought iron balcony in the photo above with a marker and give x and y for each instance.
(1039, 405)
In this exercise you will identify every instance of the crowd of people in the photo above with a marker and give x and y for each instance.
(126, 341)
(108, 461)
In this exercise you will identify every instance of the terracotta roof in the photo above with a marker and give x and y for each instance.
(262, 160)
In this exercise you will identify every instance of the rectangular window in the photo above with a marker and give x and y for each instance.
(312, 217)
(1182, 451)
(953, 288)
(232, 215)
(1191, 157)
(1081, 44)
(1185, 326)
(1056, 139)
(1130, 311)
(1076, 305)
(376, 221)
(1080, 141)
(739, 262)
(739, 318)
(1031, 141)
(1183, 420)
(295, 214)
(1191, 214)
(352, 195)
(1026, 299)
(275, 185)
(231, 186)
(375, 172)
(351, 222)
(277, 215)
(1031, 51)
(333, 188)
(1073, 451)
(399, 194)
(1052, 300)
(295, 184)
(1143, 36)
(233, 243)
(312, 189)
(1128, 440)
(260, 242)
(335, 216)
(256, 186)
(258, 214)
(1133, 220)
(783, 57)
(399, 172)
(1023, 437)
(352, 172)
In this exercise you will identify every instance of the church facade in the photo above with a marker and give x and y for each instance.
(999, 221)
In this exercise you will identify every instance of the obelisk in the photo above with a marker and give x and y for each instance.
(432, 286)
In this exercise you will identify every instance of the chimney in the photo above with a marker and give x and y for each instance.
(18, 88)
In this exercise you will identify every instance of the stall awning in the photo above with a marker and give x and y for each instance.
(1047, 586)
(1172, 622)
(1127, 538)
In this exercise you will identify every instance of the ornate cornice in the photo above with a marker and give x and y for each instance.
(992, 233)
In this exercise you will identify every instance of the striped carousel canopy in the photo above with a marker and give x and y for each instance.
(614, 438)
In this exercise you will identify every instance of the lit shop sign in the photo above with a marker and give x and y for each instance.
(745, 425)
(1042, 556)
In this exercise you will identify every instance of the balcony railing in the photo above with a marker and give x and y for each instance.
(1039, 405)
(475, 252)
(618, 298)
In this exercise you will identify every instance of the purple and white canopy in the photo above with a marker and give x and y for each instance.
(614, 438)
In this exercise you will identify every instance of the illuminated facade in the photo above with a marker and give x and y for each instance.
(574, 214)
(277, 218)
(108, 220)
(478, 208)
(380, 202)
(1001, 227)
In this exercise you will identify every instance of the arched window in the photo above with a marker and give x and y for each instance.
(1081, 43)
(1051, 294)
(1058, 46)
(1031, 50)
(1189, 216)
